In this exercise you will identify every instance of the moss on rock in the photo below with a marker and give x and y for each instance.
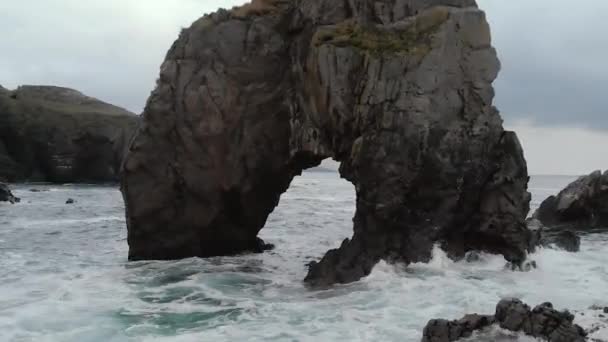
(412, 38)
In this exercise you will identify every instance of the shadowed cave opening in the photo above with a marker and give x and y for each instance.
(313, 216)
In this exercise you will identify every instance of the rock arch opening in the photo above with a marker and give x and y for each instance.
(313, 216)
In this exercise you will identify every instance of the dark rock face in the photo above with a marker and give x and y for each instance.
(59, 135)
(6, 195)
(565, 239)
(543, 321)
(560, 238)
(398, 91)
(583, 204)
(440, 330)
(511, 314)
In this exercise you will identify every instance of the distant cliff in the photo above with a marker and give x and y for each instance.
(56, 134)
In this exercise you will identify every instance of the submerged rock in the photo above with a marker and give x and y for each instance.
(400, 92)
(565, 239)
(582, 205)
(55, 134)
(6, 195)
(559, 238)
(511, 314)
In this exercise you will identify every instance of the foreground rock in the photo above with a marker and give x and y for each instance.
(582, 205)
(6, 195)
(400, 92)
(54, 134)
(511, 314)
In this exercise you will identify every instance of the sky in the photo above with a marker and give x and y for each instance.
(551, 90)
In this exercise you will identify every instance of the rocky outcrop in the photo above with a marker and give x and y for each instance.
(398, 91)
(582, 205)
(6, 195)
(441, 330)
(551, 237)
(511, 314)
(55, 134)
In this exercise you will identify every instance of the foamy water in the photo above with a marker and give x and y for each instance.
(64, 277)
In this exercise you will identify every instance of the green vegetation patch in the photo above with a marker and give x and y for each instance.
(413, 38)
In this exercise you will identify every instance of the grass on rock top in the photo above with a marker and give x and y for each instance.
(414, 38)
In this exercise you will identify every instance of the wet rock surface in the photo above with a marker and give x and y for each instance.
(511, 314)
(555, 237)
(441, 330)
(59, 135)
(6, 195)
(400, 92)
(581, 205)
(565, 239)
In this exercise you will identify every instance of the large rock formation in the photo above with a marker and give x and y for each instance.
(511, 314)
(398, 91)
(57, 134)
(583, 204)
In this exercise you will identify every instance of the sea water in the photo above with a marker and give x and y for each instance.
(64, 276)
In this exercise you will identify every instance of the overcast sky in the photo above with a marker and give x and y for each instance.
(552, 88)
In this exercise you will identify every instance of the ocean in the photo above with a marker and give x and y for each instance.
(64, 276)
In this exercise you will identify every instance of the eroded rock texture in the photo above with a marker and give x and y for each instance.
(583, 204)
(55, 134)
(398, 91)
(511, 314)
(6, 195)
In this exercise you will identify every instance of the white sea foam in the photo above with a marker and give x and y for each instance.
(64, 277)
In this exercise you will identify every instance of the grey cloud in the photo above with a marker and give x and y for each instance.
(553, 51)
(553, 54)
(109, 49)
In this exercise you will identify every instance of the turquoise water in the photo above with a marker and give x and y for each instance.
(64, 277)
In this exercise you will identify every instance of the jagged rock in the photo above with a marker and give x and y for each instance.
(6, 195)
(70, 201)
(440, 330)
(582, 205)
(565, 239)
(511, 314)
(559, 238)
(398, 91)
(55, 134)
(525, 266)
(543, 321)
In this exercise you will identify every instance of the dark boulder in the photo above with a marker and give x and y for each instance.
(511, 314)
(581, 205)
(556, 237)
(400, 93)
(55, 134)
(6, 195)
(70, 201)
(441, 330)
(564, 239)
(543, 321)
